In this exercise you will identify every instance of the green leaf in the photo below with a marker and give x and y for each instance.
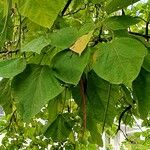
(127, 96)
(12, 67)
(5, 96)
(141, 88)
(5, 91)
(95, 134)
(6, 24)
(97, 99)
(115, 5)
(42, 12)
(64, 37)
(55, 106)
(33, 88)
(146, 63)
(120, 61)
(98, 91)
(120, 22)
(60, 129)
(36, 45)
(69, 66)
(96, 1)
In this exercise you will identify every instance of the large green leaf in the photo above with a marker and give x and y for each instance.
(69, 66)
(33, 88)
(64, 37)
(55, 107)
(36, 45)
(102, 98)
(141, 87)
(146, 63)
(12, 67)
(42, 12)
(6, 26)
(5, 91)
(115, 5)
(60, 129)
(97, 93)
(120, 22)
(95, 137)
(5, 95)
(120, 61)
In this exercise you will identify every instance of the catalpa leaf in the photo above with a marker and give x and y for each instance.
(120, 61)
(141, 88)
(95, 137)
(5, 95)
(12, 67)
(115, 5)
(97, 92)
(69, 66)
(60, 129)
(120, 22)
(36, 45)
(33, 88)
(146, 63)
(99, 101)
(81, 43)
(42, 12)
(64, 37)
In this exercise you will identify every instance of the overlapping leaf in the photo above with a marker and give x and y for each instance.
(5, 96)
(69, 66)
(42, 12)
(60, 129)
(81, 43)
(95, 137)
(12, 67)
(35, 45)
(33, 88)
(120, 61)
(64, 37)
(141, 87)
(115, 5)
(100, 103)
(120, 22)
(146, 63)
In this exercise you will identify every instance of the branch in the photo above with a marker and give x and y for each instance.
(10, 122)
(9, 52)
(66, 7)
(121, 116)
(71, 13)
(146, 31)
(139, 34)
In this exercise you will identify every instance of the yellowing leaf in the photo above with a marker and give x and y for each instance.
(81, 43)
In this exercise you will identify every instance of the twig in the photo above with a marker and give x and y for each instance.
(9, 52)
(121, 116)
(71, 13)
(126, 137)
(10, 122)
(66, 7)
(139, 34)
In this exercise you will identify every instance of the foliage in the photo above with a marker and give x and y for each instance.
(140, 140)
(72, 69)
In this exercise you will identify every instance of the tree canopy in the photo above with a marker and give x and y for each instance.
(71, 70)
